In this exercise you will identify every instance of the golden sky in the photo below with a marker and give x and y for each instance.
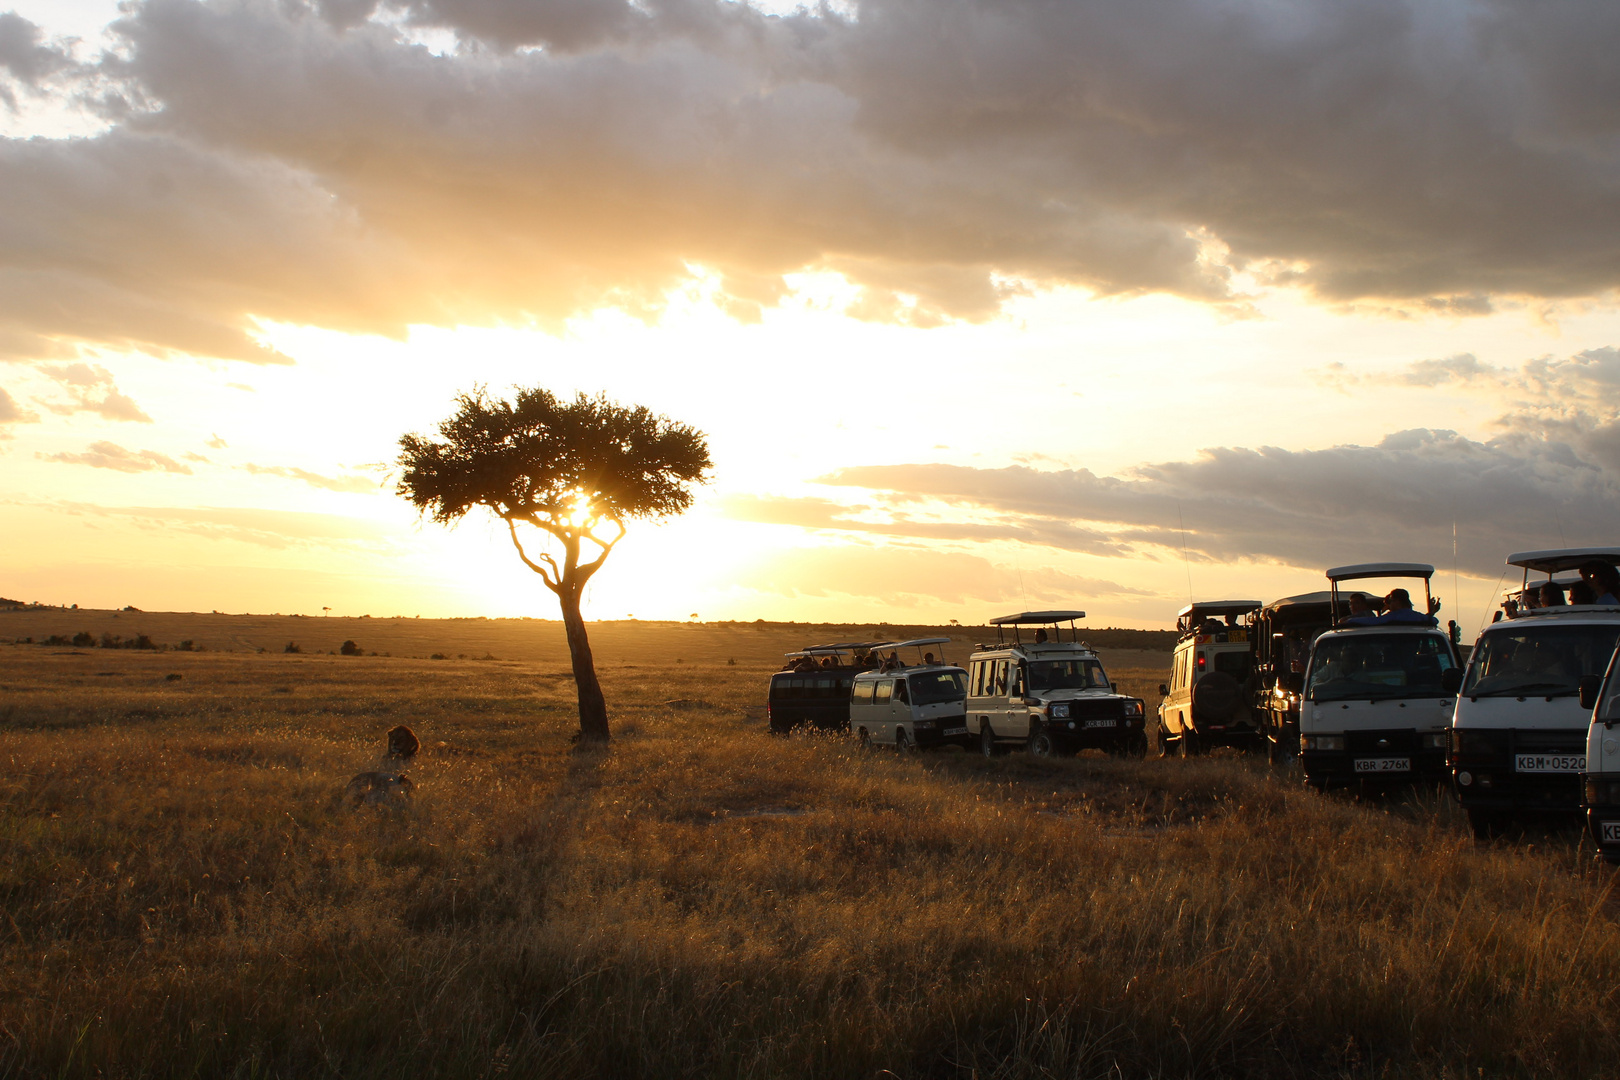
(984, 306)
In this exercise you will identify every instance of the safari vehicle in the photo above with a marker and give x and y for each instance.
(910, 706)
(1046, 694)
(1205, 702)
(813, 689)
(1378, 698)
(1600, 783)
(1280, 637)
(1519, 734)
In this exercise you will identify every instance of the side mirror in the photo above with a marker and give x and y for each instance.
(1164, 691)
(1451, 679)
(1591, 686)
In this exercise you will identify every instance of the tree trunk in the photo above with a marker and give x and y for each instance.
(593, 721)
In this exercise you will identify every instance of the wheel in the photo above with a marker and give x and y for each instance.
(1137, 747)
(1164, 739)
(863, 739)
(987, 741)
(1187, 744)
(902, 744)
(1041, 744)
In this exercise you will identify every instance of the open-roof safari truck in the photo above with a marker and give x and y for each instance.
(812, 690)
(1519, 734)
(1208, 699)
(1047, 694)
(1379, 689)
(913, 701)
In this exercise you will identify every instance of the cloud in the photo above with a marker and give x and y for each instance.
(92, 389)
(901, 574)
(328, 483)
(217, 443)
(25, 57)
(265, 528)
(1398, 499)
(319, 166)
(13, 413)
(108, 455)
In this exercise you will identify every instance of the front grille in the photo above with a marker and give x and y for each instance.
(1096, 710)
(1397, 741)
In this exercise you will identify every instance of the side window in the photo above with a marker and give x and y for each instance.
(1018, 680)
(863, 692)
(900, 693)
(1175, 674)
(885, 690)
(976, 677)
(826, 687)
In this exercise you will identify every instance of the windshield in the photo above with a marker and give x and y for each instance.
(1378, 666)
(1543, 660)
(1047, 675)
(936, 686)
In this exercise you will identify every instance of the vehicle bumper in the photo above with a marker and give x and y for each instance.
(1073, 740)
(1337, 768)
(1493, 785)
(1603, 813)
(952, 731)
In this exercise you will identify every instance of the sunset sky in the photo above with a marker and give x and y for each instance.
(984, 306)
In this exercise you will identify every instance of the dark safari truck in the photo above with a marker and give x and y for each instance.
(1280, 637)
(812, 690)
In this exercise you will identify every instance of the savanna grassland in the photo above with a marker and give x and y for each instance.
(184, 891)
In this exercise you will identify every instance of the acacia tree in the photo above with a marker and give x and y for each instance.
(576, 470)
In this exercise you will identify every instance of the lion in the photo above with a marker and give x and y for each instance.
(377, 789)
(403, 743)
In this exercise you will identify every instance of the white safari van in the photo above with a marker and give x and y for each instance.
(1519, 735)
(1046, 694)
(1379, 689)
(908, 706)
(1206, 702)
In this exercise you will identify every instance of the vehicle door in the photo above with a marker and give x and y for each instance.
(998, 679)
(860, 706)
(900, 711)
(882, 711)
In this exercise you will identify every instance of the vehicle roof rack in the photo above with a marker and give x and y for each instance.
(919, 642)
(1554, 560)
(1219, 607)
(1381, 569)
(1037, 618)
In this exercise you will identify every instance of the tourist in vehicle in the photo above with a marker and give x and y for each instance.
(1398, 610)
(1040, 636)
(1551, 594)
(1359, 608)
(1582, 593)
(928, 658)
(1603, 579)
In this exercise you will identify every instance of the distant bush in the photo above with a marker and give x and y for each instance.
(57, 639)
(438, 656)
(111, 641)
(141, 641)
(349, 648)
(132, 607)
(292, 646)
(84, 640)
(186, 646)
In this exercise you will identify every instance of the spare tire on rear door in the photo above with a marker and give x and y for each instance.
(1215, 697)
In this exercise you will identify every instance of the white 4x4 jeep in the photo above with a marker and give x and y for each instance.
(1048, 695)
(1207, 702)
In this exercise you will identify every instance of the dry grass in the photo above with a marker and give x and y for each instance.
(183, 896)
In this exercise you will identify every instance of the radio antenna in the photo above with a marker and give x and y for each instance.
(1185, 561)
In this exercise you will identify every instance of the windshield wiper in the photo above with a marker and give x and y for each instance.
(1532, 689)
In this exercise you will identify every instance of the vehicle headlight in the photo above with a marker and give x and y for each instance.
(1434, 740)
(1060, 711)
(1133, 707)
(1321, 742)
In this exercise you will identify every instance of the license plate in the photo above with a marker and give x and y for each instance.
(1384, 764)
(1560, 763)
(1611, 832)
(956, 731)
(1099, 723)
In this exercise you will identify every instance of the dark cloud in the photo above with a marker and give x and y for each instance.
(26, 57)
(945, 154)
(108, 455)
(1396, 500)
(311, 164)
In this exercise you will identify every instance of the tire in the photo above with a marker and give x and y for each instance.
(1041, 744)
(987, 742)
(863, 739)
(1164, 739)
(1187, 744)
(902, 744)
(1138, 745)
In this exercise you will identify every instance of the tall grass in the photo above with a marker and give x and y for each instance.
(183, 895)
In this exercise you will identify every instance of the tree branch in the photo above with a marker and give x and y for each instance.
(587, 569)
(551, 579)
